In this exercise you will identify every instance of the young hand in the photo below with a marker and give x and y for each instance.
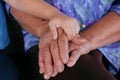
(68, 24)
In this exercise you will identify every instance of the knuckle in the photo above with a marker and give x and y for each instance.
(46, 54)
(62, 42)
(48, 62)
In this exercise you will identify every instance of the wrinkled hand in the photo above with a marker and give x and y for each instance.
(45, 58)
(79, 45)
(59, 51)
(52, 54)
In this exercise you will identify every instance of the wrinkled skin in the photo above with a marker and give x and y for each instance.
(79, 45)
(53, 53)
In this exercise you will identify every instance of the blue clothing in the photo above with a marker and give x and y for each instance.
(29, 40)
(8, 69)
(87, 12)
(4, 39)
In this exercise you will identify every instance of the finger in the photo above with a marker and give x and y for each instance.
(60, 31)
(73, 58)
(78, 40)
(73, 29)
(73, 46)
(41, 62)
(68, 31)
(48, 65)
(53, 30)
(55, 72)
(56, 57)
(63, 47)
(77, 28)
(41, 59)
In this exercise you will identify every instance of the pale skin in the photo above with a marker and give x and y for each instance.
(96, 36)
(42, 9)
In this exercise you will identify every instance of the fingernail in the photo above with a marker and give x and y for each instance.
(41, 72)
(53, 75)
(61, 69)
(69, 64)
(46, 76)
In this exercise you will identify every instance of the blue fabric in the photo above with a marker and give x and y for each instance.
(116, 7)
(86, 12)
(8, 69)
(30, 40)
(4, 39)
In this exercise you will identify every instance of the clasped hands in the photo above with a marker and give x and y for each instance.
(54, 54)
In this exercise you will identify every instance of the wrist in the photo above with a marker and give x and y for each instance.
(87, 42)
(104, 32)
(41, 32)
(55, 13)
(35, 25)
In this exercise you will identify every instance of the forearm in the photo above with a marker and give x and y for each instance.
(38, 8)
(30, 23)
(105, 31)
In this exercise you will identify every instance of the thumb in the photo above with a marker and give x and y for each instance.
(78, 40)
(53, 30)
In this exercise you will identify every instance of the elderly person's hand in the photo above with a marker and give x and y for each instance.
(78, 46)
(96, 36)
(51, 54)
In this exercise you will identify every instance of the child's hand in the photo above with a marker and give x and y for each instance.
(68, 24)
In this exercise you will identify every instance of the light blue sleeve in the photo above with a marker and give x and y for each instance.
(116, 7)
